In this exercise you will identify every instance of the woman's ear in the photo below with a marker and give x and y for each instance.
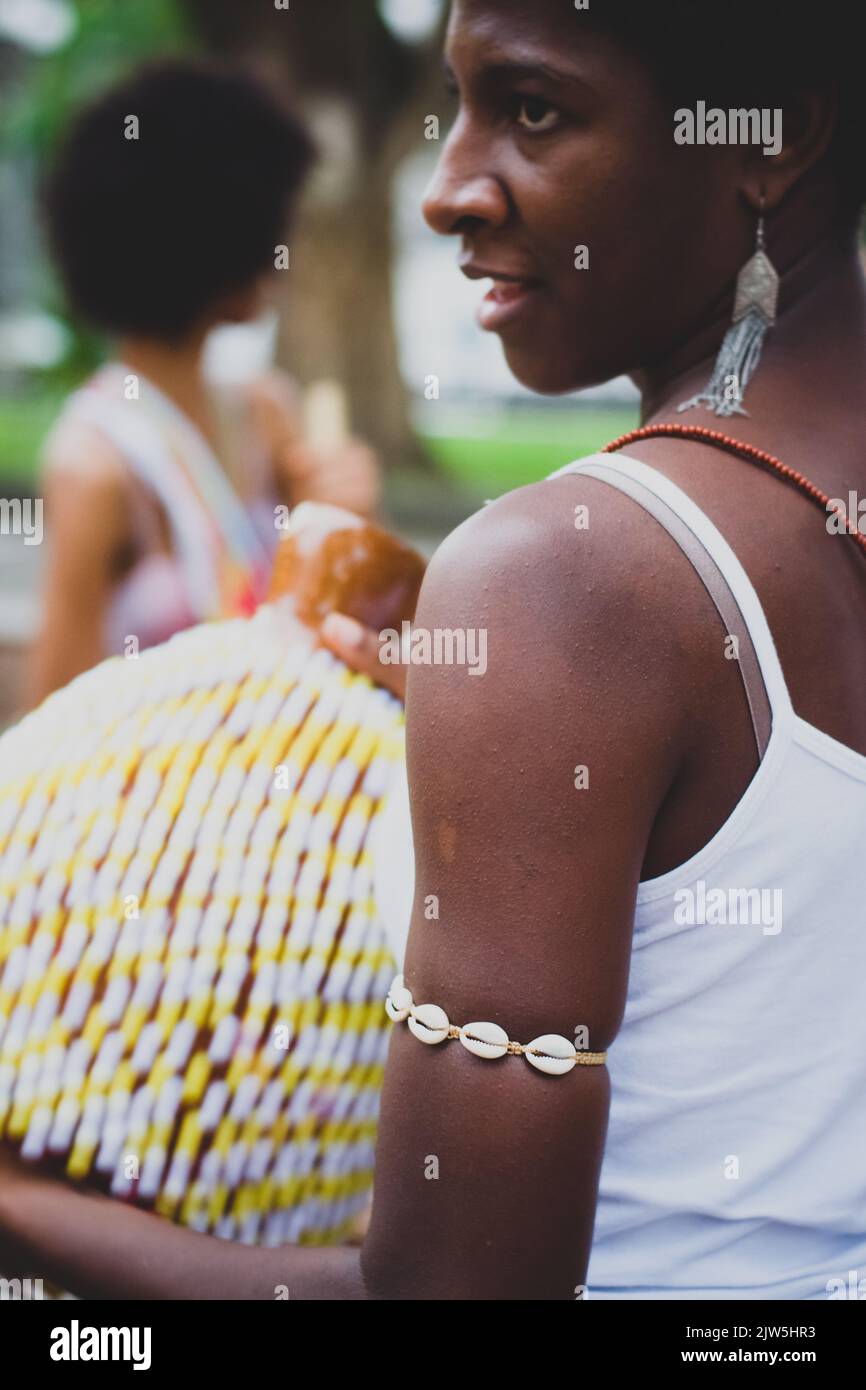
(803, 128)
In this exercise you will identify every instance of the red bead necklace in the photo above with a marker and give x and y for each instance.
(745, 451)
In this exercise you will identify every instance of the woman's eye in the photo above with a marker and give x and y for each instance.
(536, 114)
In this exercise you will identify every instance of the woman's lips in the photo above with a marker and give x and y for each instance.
(505, 302)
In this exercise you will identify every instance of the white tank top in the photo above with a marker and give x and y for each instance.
(735, 1164)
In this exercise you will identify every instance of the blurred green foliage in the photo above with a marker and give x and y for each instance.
(35, 108)
(112, 35)
(25, 419)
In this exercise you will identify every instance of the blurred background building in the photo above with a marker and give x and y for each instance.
(373, 300)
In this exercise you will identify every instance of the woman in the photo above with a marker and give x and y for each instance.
(574, 811)
(167, 207)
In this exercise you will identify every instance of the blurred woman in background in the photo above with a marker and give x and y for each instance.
(167, 210)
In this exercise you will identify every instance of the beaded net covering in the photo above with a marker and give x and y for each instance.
(191, 965)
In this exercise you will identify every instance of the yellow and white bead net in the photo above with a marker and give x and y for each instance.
(191, 966)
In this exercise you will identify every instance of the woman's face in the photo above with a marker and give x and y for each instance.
(563, 142)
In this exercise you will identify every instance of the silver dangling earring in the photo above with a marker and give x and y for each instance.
(754, 314)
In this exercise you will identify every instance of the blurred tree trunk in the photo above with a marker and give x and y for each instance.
(365, 95)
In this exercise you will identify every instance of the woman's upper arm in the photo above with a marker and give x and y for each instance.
(533, 787)
(87, 519)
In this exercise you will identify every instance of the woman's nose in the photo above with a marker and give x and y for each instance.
(462, 192)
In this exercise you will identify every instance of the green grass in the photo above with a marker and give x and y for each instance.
(527, 446)
(24, 423)
(519, 447)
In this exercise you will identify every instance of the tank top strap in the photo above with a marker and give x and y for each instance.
(134, 435)
(619, 470)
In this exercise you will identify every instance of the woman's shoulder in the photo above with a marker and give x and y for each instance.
(79, 450)
(567, 528)
(589, 578)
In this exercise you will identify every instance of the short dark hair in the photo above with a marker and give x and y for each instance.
(148, 233)
(754, 53)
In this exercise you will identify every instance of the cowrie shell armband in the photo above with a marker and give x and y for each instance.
(551, 1053)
